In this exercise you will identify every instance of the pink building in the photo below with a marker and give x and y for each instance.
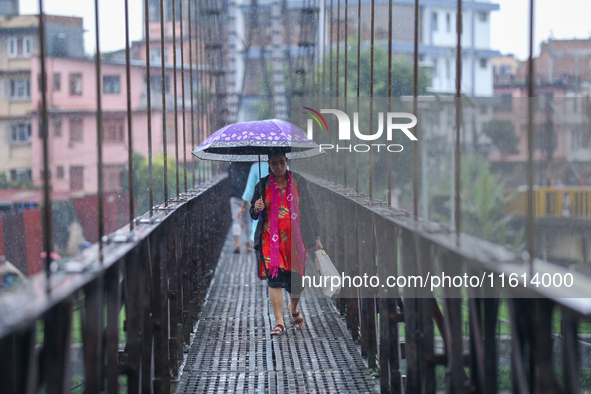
(514, 108)
(560, 132)
(72, 103)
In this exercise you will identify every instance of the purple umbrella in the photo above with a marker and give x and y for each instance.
(247, 141)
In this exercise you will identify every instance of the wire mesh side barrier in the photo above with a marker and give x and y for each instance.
(467, 323)
(419, 313)
(160, 310)
(160, 278)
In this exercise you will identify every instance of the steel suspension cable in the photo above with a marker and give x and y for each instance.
(415, 160)
(358, 87)
(191, 91)
(458, 156)
(149, 106)
(346, 43)
(389, 163)
(129, 121)
(44, 129)
(176, 109)
(530, 227)
(183, 96)
(99, 140)
(371, 90)
(163, 86)
(338, 82)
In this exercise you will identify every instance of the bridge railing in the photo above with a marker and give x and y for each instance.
(397, 326)
(138, 302)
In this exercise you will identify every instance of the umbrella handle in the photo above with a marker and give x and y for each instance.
(260, 186)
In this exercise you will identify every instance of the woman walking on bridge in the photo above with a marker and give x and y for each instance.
(288, 221)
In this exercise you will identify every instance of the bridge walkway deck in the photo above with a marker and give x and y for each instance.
(232, 351)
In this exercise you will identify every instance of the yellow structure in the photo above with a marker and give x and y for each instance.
(552, 202)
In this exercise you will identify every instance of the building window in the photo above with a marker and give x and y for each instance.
(483, 63)
(155, 57)
(156, 83)
(57, 82)
(435, 21)
(482, 16)
(20, 175)
(20, 133)
(20, 46)
(76, 178)
(28, 49)
(113, 130)
(59, 173)
(448, 22)
(12, 52)
(447, 69)
(57, 127)
(18, 89)
(178, 56)
(111, 84)
(75, 130)
(154, 11)
(112, 176)
(75, 84)
(43, 174)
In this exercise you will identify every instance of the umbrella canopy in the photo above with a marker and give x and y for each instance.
(246, 141)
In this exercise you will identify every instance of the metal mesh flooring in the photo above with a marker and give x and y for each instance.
(232, 351)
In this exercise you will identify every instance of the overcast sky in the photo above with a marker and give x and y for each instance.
(509, 26)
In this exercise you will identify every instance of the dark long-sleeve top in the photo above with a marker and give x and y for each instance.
(238, 174)
(308, 214)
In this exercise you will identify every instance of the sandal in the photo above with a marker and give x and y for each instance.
(278, 330)
(297, 318)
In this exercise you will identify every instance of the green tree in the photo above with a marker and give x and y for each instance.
(502, 134)
(402, 73)
(484, 204)
(141, 185)
(4, 183)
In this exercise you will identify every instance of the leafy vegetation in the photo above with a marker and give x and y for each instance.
(484, 203)
(141, 183)
(502, 134)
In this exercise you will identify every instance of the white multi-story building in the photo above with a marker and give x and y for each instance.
(437, 39)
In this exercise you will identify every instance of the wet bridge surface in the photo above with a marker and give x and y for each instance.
(232, 350)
